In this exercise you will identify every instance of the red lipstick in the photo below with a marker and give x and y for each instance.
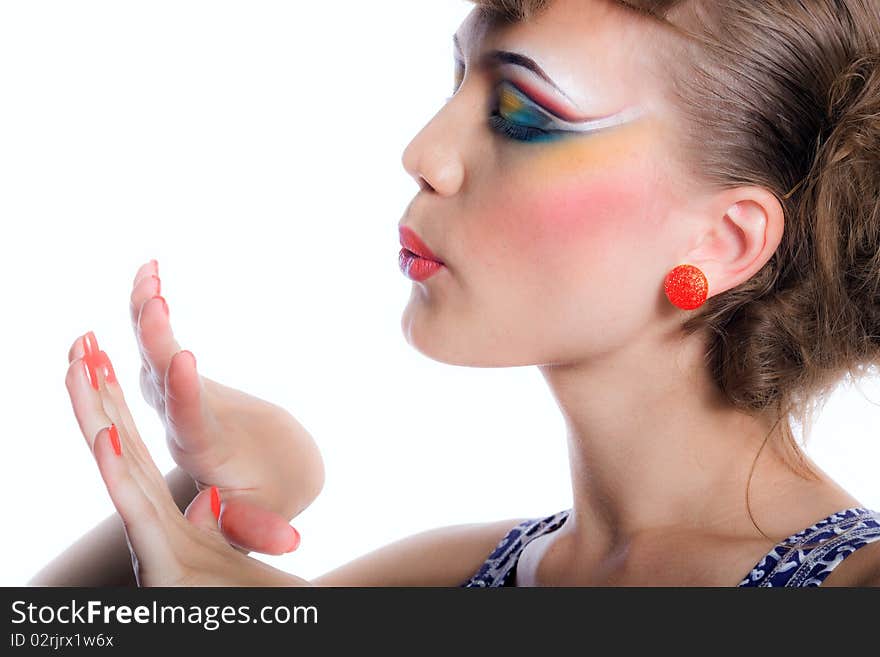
(414, 244)
(416, 260)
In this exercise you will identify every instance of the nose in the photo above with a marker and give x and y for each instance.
(434, 157)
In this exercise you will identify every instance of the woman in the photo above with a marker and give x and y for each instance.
(677, 222)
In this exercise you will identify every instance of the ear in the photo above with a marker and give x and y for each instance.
(742, 232)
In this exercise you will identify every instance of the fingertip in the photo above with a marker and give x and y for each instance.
(75, 370)
(184, 355)
(258, 529)
(142, 314)
(76, 350)
(201, 510)
(190, 355)
(90, 343)
(295, 540)
(181, 372)
(146, 269)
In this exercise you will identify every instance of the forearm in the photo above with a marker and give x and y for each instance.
(102, 557)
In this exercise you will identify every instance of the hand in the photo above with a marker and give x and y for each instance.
(265, 461)
(167, 548)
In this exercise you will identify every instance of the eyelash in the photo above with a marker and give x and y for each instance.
(513, 130)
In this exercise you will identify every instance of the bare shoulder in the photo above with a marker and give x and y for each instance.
(860, 568)
(445, 556)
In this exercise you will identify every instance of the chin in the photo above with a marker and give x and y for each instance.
(452, 345)
(419, 334)
(427, 334)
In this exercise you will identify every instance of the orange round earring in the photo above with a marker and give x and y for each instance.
(686, 287)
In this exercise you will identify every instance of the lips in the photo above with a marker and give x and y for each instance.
(412, 242)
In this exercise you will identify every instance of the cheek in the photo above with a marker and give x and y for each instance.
(584, 204)
(584, 217)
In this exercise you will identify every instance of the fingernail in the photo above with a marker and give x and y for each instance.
(90, 374)
(296, 541)
(158, 284)
(191, 354)
(215, 502)
(90, 344)
(114, 440)
(90, 347)
(107, 367)
(155, 264)
(164, 303)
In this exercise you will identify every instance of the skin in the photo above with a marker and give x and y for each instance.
(263, 459)
(168, 547)
(266, 465)
(538, 243)
(555, 257)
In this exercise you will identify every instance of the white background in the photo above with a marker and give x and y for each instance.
(254, 149)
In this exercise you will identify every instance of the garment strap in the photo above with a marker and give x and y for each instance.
(808, 557)
(496, 570)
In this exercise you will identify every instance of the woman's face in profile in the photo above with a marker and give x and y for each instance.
(555, 248)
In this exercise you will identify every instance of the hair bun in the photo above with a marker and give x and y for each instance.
(854, 111)
(844, 204)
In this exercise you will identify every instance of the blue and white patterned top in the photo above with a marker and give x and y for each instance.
(803, 559)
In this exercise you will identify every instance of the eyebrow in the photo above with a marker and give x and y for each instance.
(517, 59)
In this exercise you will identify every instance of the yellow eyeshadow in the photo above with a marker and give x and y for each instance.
(595, 150)
(509, 102)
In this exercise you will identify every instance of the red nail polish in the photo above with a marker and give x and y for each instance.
(91, 357)
(90, 344)
(215, 502)
(90, 374)
(106, 367)
(114, 440)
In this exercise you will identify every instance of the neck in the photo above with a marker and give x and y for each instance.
(653, 445)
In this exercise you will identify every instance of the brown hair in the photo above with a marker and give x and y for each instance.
(788, 95)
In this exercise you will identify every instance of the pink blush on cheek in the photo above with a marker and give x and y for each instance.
(586, 196)
(581, 217)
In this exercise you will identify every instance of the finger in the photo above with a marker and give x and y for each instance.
(113, 399)
(95, 409)
(85, 347)
(86, 402)
(85, 344)
(257, 529)
(184, 404)
(205, 509)
(147, 288)
(88, 407)
(150, 268)
(154, 487)
(149, 390)
(241, 523)
(76, 349)
(102, 379)
(155, 337)
(140, 292)
(147, 529)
